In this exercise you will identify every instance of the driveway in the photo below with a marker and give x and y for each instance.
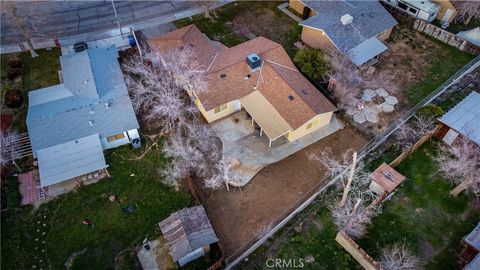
(248, 152)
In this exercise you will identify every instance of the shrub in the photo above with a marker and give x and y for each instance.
(13, 98)
(312, 63)
(14, 73)
(15, 63)
(430, 111)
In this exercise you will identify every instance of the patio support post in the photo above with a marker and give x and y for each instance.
(261, 131)
(269, 142)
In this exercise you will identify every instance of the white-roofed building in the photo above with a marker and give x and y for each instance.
(463, 119)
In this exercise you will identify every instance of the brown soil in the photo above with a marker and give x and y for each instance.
(405, 63)
(240, 215)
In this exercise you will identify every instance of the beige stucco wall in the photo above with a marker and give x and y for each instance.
(323, 118)
(211, 116)
(315, 38)
(444, 6)
(296, 5)
(384, 36)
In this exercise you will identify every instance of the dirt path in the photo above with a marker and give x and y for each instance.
(239, 215)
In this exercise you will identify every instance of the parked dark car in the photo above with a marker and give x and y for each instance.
(80, 46)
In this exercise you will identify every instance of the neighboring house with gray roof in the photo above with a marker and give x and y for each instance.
(355, 28)
(70, 124)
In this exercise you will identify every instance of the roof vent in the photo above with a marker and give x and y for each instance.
(90, 122)
(291, 97)
(107, 105)
(254, 61)
(223, 75)
(346, 19)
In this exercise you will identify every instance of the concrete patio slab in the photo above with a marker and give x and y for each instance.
(386, 107)
(368, 94)
(391, 100)
(381, 92)
(359, 117)
(371, 113)
(252, 151)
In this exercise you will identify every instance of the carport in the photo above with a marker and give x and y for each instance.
(266, 116)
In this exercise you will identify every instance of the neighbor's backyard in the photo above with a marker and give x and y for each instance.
(47, 237)
(51, 235)
(421, 214)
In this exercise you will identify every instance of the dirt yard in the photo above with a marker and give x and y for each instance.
(412, 67)
(240, 215)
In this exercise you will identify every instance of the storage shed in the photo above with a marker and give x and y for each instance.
(385, 179)
(188, 234)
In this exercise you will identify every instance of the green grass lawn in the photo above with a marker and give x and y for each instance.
(423, 215)
(262, 18)
(37, 73)
(318, 240)
(448, 61)
(135, 182)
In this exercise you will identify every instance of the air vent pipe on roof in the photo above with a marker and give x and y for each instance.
(346, 19)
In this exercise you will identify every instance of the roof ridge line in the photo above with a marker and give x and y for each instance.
(234, 63)
(296, 92)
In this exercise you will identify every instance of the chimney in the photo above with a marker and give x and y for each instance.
(346, 19)
(254, 61)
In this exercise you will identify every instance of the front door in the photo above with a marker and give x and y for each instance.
(237, 106)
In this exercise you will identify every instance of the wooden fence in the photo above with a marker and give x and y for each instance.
(434, 31)
(357, 252)
(445, 36)
(407, 152)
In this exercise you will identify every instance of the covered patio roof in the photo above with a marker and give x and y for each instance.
(367, 50)
(266, 116)
(71, 159)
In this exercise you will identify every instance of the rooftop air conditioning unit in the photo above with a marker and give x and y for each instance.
(254, 61)
(346, 19)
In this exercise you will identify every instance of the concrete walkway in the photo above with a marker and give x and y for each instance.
(243, 146)
(283, 8)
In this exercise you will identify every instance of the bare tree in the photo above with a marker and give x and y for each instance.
(460, 163)
(156, 94)
(354, 217)
(208, 8)
(346, 81)
(9, 148)
(413, 130)
(187, 70)
(398, 257)
(467, 10)
(333, 165)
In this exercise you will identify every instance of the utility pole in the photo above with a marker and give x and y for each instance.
(116, 16)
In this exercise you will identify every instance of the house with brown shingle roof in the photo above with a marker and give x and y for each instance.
(257, 76)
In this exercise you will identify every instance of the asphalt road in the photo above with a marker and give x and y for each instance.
(56, 19)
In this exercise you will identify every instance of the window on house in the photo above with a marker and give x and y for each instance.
(402, 6)
(312, 124)
(115, 137)
(413, 10)
(220, 108)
